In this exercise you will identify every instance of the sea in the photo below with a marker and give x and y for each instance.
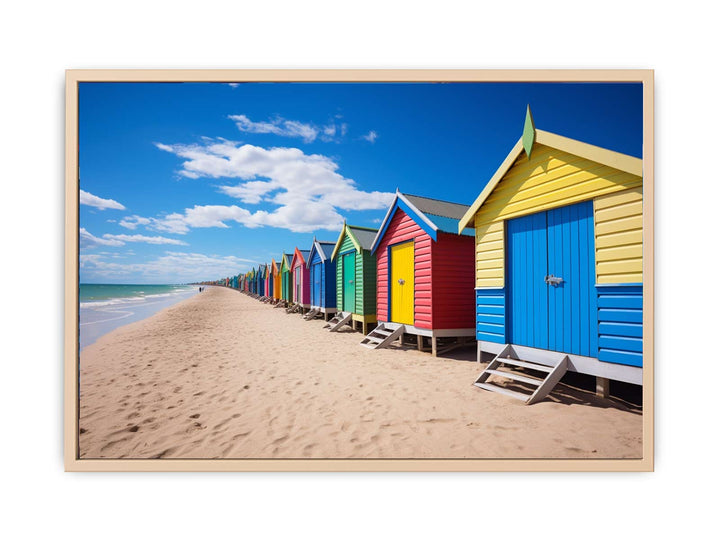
(104, 307)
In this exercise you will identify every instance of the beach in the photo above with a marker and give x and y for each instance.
(221, 375)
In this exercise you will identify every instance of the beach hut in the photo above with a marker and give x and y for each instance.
(286, 278)
(251, 281)
(277, 279)
(260, 281)
(301, 279)
(355, 278)
(559, 261)
(425, 276)
(268, 281)
(323, 283)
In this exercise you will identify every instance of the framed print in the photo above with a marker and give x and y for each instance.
(359, 270)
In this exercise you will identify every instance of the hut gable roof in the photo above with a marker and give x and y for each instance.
(323, 249)
(300, 256)
(531, 136)
(285, 262)
(432, 215)
(362, 238)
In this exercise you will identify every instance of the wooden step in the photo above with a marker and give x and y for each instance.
(381, 337)
(501, 390)
(339, 320)
(515, 376)
(527, 365)
(551, 377)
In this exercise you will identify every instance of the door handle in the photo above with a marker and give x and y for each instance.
(553, 280)
(351, 281)
(401, 281)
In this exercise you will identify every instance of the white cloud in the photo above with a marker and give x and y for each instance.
(131, 222)
(144, 239)
(307, 188)
(277, 126)
(89, 241)
(171, 267)
(89, 199)
(306, 131)
(371, 136)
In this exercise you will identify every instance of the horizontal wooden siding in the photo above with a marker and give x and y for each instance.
(453, 298)
(620, 314)
(619, 237)
(403, 229)
(490, 315)
(552, 178)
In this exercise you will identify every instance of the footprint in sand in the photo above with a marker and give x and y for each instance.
(197, 415)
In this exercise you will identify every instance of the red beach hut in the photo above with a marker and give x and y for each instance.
(425, 278)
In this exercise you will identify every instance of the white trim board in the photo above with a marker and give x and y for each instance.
(580, 364)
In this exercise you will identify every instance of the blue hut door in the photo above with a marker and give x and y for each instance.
(551, 280)
(316, 280)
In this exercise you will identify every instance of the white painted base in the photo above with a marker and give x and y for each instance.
(324, 309)
(452, 332)
(577, 363)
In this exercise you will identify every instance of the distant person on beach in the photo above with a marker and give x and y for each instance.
(199, 289)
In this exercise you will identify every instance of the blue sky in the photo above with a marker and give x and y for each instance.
(183, 182)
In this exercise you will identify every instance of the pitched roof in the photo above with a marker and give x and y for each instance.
(362, 237)
(432, 215)
(616, 160)
(324, 249)
(436, 207)
(304, 254)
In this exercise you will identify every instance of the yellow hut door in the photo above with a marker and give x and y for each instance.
(402, 283)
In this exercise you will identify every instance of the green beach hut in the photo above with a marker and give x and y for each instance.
(286, 278)
(356, 275)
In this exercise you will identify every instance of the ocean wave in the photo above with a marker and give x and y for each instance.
(91, 304)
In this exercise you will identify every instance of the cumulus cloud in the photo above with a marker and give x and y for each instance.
(89, 241)
(371, 136)
(144, 239)
(131, 222)
(307, 189)
(89, 199)
(170, 267)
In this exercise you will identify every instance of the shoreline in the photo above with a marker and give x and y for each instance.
(127, 310)
(221, 375)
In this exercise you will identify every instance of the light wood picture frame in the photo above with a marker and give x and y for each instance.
(73, 461)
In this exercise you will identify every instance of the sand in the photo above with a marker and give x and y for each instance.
(221, 375)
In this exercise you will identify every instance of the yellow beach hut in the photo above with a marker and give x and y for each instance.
(559, 265)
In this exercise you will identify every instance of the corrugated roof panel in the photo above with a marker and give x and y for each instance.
(437, 207)
(365, 237)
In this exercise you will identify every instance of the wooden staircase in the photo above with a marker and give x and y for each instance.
(381, 337)
(310, 315)
(338, 321)
(293, 308)
(540, 385)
